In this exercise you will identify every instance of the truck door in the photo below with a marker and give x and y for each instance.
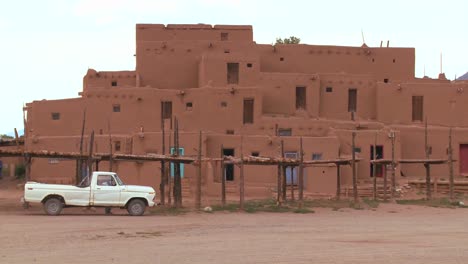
(106, 191)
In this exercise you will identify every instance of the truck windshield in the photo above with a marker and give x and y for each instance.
(119, 181)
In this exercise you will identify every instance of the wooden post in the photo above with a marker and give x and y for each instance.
(450, 162)
(338, 182)
(223, 178)
(301, 174)
(79, 165)
(374, 169)
(27, 173)
(241, 178)
(292, 183)
(426, 165)
(90, 156)
(393, 192)
(199, 167)
(353, 165)
(169, 177)
(279, 199)
(162, 184)
(385, 184)
(177, 179)
(110, 147)
(283, 171)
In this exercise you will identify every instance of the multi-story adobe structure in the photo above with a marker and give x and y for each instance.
(217, 79)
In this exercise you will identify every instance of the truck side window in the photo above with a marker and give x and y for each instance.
(105, 180)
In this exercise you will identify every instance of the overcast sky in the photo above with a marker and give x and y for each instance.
(46, 46)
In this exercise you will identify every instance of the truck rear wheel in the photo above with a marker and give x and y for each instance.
(53, 206)
(136, 207)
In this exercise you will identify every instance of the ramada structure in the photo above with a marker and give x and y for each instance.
(218, 80)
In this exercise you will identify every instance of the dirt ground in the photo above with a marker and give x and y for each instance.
(390, 234)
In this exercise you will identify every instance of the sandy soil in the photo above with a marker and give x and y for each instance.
(391, 234)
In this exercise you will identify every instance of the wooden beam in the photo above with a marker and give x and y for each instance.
(199, 167)
(301, 173)
(163, 182)
(283, 172)
(393, 179)
(353, 165)
(177, 178)
(426, 165)
(79, 173)
(241, 178)
(338, 182)
(223, 177)
(90, 155)
(374, 169)
(450, 162)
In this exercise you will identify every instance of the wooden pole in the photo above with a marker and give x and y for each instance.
(353, 165)
(199, 167)
(90, 156)
(283, 171)
(374, 169)
(338, 182)
(169, 176)
(177, 179)
(162, 184)
(79, 171)
(110, 146)
(241, 178)
(292, 182)
(393, 191)
(279, 201)
(223, 177)
(385, 184)
(450, 162)
(301, 174)
(27, 173)
(426, 165)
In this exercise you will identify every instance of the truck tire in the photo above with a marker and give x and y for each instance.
(53, 206)
(136, 207)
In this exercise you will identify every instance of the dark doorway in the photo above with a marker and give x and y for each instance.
(379, 168)
(166, 112)
(300, 97)
(233, 73)
(248, 116)
(464, 159)
(229, 168)
(352, 100)
(418, 107)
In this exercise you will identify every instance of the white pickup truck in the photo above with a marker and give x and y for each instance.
(103, 189)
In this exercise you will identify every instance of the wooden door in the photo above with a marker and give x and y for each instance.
(464, 159)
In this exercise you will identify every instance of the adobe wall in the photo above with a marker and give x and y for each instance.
(108, 79)
(444, 102)
(383, 63)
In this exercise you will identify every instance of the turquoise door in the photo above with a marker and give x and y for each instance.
(181, 153)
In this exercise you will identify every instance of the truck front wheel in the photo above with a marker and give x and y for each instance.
(53, 206)
(136, 207)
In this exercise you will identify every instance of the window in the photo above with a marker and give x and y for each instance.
(248, 117)
(114, 83)
(117, 146)
(316, 156)
(418, 107)
(255, 154)
(227, 51)
(230, 132)
(106, 180)
(224, 36)
(284, 132)
(357, 150)
(189, 106)
(281, 59)
(166, 110)
(223, 104)
(385, 80)
(55, 116)
(233, 73)
(300, 97)
(352, 100)
(116, 108)
(329, 89)
(249, 65)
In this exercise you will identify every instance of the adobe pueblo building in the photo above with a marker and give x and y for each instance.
(218, 80)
